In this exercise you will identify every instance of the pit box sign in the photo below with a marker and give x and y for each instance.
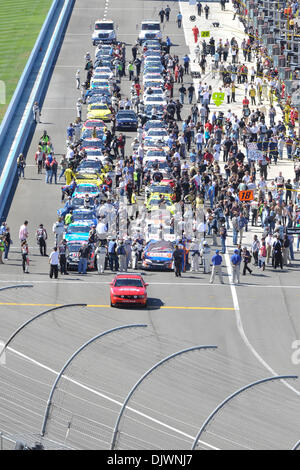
(205, 34)
(246, 195)
(218, 98)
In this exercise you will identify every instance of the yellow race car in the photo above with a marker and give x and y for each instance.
(83, 177)
(155, 203)
(99, 111)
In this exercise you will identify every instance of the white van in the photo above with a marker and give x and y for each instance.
(104, 31)
(150, 29)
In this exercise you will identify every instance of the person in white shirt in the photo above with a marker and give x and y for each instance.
(269, 244)
(58, 230)
(77, 76)
(53, 261)
(100, 254)
(36, 112)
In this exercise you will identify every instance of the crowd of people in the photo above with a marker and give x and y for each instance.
(211, 157)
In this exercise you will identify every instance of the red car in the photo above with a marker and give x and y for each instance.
(128, 289)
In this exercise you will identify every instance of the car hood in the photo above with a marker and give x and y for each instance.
(76, 236)
(128, 290)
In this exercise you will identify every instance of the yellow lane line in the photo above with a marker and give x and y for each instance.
(108, 306)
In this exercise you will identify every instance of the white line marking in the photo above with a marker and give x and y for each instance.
(191, 284)
(241, 328)
(85, 387)
(232, 285)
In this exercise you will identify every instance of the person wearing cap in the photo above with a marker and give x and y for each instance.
(93, 235)
(235, 264)
(217, 267)
(205, 253)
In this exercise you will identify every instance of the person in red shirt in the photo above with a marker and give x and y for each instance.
(208, 157)
(195, 33)
(137, 87)
(169, 88)
(208, 126)
(245, 102)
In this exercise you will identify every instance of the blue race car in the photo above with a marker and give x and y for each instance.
(158, 255)
(77, 231)
(87, 188)
(127, 120)
(85, 215)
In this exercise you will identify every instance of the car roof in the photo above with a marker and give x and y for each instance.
(129, 276)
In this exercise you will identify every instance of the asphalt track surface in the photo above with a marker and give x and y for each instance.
(253, 325)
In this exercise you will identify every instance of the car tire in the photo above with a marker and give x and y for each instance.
(112, 305)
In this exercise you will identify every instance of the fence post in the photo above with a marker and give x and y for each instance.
(233, 395)
(74, 355)
(153, 368)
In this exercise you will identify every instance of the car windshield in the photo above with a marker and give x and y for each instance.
(101, 76)
(153, 84)
(153, 125)
(84, 216)
(78, 229)
(74, 248)
(160, 189)
(96, 124)
(93, 152)
(104, 26)
(87, 134)
(82, 188)
(160, 248)
(150, 27)
(92, 143)
(158, 133)
(150, 108)
(154, 202)
(155, 153)
(154, 98)
(90, 164)
(78, 201)
(126, 282)
(125, 115)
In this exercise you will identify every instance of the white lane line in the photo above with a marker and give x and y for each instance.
(241, 328)
(228, 265)
(102, 395)
(191, 284)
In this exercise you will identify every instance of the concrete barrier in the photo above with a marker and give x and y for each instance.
(9, 172)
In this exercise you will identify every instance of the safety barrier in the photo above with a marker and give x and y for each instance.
(13, 106)
(9, 172)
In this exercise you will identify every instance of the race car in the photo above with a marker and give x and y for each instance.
(154, 203)
(160, 188)
(91, 123)
(73, 255)
(158, 255)
(128, 289)
(85, 215)
(126, 119)
(159, 134)
(77, 231)
(86, 188)
(99, 111)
